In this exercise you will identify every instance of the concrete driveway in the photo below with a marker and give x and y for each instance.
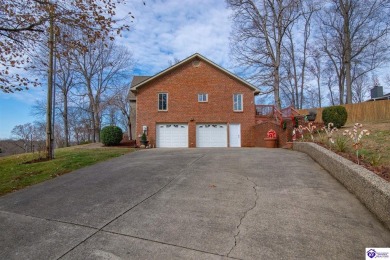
(191, 204)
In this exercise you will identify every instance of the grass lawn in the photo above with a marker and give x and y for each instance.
(16, 174)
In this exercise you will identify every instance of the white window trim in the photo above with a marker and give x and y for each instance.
(158, 101)
(242, 102)
(203, 101)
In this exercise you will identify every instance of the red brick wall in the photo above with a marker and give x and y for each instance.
(183, 85)
(260, 132)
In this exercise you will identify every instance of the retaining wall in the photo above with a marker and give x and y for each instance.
(370, 189)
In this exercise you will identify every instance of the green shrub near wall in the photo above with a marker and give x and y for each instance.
(336, 114)
(111, 135)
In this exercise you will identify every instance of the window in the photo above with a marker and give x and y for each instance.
(202, 97)
(163, 101)
(237, 102)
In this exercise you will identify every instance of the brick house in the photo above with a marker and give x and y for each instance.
(194, 103)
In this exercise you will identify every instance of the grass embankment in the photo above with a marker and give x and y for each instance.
(376, 146)
(16, 172)
(374, 152)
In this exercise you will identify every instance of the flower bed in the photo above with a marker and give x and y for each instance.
(354, 143)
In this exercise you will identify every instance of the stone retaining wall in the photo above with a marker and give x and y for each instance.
(370, 189)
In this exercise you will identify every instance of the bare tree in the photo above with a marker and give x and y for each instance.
(296, 53)
(259, 29)
(121, 101)
(24, 21)
(354, 35)
(311, 100)
(64, 83)
(101, 68)
(360, 89)
(315, 69)
(331, 80)
(24, 133)
(79, 124)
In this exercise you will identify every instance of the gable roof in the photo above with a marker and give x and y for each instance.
(135, 85)
(136, 80)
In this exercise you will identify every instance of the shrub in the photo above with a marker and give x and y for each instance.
(111, 135)
(337, 115)
(144, 138)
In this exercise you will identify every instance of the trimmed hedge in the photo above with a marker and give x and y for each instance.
(111, 135)
(336, 114)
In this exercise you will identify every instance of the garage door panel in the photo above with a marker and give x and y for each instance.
(172, 135)
(211, 135)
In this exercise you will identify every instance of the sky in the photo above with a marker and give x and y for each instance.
(162, 31)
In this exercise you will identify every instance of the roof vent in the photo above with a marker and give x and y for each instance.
(196, 63)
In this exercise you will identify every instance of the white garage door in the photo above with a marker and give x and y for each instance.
(172, 135)
(211, 135)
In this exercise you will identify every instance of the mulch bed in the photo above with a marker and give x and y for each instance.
(128, 143)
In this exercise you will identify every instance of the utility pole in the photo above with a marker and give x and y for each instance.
(49, 107)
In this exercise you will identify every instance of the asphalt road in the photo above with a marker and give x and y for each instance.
(190, 204)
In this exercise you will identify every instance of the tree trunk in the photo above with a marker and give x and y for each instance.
(49, 134)
(129, 134)
(345, 7)
(96, 127)
(276, 87)
(65, 117)
(341, 78)
(319, 88)
(303, 77)
(348, 78)
(92, 126)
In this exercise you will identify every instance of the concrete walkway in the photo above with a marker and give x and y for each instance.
(190, 204)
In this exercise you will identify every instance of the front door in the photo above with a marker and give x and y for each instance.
(235, 135)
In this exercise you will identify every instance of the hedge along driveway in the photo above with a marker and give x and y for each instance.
(17, 172)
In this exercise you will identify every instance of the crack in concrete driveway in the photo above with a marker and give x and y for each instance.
(244, 203)
(243, 216)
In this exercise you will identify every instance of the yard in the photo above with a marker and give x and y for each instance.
(19, 171)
